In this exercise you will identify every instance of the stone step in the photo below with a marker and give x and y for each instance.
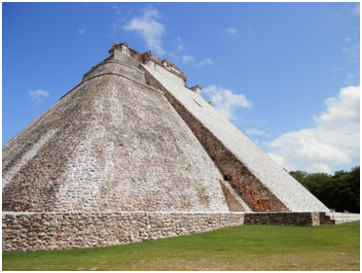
(343, 217)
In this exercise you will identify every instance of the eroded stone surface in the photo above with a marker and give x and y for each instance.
(116, 143)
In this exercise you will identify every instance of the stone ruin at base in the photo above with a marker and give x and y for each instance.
(132, 154)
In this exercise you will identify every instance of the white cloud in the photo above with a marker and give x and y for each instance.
(353, 51)
(38, 95)
(356, 9)
(254, 132)
(342, 111)
(225, 101)
(81, 30)
(207, 61)
(333, 141)
(231, 31)
(180, 45)
(333, 70)
(187, 59)
(116, 9)
(350, 78)
(149, 29)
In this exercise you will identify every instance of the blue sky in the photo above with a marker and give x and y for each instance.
(286, 74)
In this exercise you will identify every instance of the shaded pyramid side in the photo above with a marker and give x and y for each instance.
(112, 143)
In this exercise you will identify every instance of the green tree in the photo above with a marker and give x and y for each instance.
(299, 176)
(339, 192)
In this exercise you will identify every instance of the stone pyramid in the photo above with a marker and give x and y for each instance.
(132, 137)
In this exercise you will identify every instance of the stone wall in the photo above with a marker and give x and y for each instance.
(282, 218)
(49, 231)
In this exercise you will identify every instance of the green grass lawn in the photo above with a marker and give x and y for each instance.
(326, 247)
